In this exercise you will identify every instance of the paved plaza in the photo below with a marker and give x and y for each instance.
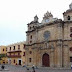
(11, 68)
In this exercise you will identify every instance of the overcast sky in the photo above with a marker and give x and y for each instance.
(16, 14)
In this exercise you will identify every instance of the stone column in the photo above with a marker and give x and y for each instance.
(59, 54)
(59, 31)
(66, 55)
(59, 43)
(26, 57)
(52, 57)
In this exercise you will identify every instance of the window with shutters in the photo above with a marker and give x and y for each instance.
(70, 48)
(23, 46)
(30, 41)
(68, 17)
(18, 47)
(14, 48)
(70, 59)
(10, 48)
(18, 53)
(31, 37)
(24, 54)
(3, 49)
(30, 59)
(30, 28)
(14, 60)
(70, 29)
(30, 52)
(6, 49)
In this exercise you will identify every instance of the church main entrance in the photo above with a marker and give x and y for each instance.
(45, 60)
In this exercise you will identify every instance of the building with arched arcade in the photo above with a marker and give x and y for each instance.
(49, 43)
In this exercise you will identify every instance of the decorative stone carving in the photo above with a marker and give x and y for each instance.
(48, 17)
(36, 18)
(52, 46)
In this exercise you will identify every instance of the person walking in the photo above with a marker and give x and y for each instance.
(71, 66)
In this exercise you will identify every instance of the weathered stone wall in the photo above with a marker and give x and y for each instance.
(57, 46)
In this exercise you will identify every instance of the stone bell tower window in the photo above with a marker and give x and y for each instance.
(68, 17)
(30, 28)
(30, 41)
(31, 37)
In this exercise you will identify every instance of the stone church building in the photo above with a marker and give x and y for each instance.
(49, 43)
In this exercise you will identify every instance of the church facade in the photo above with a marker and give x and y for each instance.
(49, 43)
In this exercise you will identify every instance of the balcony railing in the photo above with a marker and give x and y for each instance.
(14, 51)
(13, 56)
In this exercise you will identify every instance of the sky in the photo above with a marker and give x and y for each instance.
(16, 14)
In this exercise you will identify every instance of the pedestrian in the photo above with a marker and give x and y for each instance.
(2, 66)
(33, 68)
(71, 66)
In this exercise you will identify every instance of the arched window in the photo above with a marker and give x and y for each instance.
(10, 48)
(23, 46)
(30, 52)
(14, 48)
(3, 49)
(14, 60)
(31, 37)
(68, 17)
(30, 59)
(24, 54)
(33, 26)
(18, 47)
(30, 27)
(70, 29)
(6, 49)
(70, 59)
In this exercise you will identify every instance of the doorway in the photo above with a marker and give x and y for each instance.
(45, 60)
(19, 62)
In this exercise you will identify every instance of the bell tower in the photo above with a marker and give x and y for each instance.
(68, 14)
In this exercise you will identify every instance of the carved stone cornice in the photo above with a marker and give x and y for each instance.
(48, 24)
(67, 40)
(65, 22)
(51, 23)
(47, 42)
(68, 11)
(65, 45)
(44, 42)
(30, 31)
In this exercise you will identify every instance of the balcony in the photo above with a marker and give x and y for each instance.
(14, 56)
(14, 51)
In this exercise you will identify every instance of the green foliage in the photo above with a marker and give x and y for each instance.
(2, 55)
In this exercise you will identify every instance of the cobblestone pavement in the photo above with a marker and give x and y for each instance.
(11, 68)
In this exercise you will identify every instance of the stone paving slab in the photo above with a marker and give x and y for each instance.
(11, 68)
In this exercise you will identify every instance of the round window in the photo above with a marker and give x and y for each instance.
(46, 35)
